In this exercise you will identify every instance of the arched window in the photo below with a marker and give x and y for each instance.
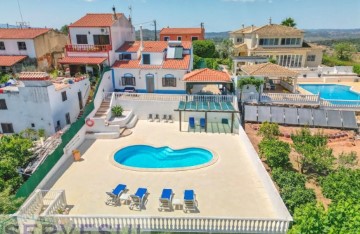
(128, 79)
(169, 80)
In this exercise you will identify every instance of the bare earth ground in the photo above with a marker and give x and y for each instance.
(344, 144)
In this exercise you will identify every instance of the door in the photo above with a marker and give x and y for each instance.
(150, 86)
(80, 100)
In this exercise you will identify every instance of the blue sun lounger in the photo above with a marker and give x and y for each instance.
(190, 203)
(166, 200)
(191, 122)
(202, 122)
(137, 200)
(115, 195)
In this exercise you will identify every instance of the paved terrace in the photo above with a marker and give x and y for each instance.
(229, 188)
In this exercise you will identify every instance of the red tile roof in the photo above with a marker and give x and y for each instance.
(96, 20)
(8, 60)
(149, 46)
(208, 76)
(25, 33)
(34, 76)
(169, 31)
(82, 60)
(178, 64)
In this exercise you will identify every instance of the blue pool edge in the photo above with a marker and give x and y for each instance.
(210, 163)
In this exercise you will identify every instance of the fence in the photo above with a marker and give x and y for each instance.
(30, 185)
(175, 224)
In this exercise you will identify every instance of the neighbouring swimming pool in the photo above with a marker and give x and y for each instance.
(148, 157)
(332, 91)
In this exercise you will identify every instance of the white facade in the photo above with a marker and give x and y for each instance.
(38, 105)
(118, 33)
(11, 47)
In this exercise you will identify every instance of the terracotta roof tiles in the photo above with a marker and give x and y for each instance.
(207, 75)
(169, 31)
(96, 20)
(149, 46)
(24, 33)
(82, 60)
(269, 70)
(9, 60)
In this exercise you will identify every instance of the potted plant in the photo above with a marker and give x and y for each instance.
(117, 110)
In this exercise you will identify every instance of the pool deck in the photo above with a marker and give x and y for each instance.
(232, 187)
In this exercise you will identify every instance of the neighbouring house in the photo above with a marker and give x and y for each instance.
(283, 44)
(208, 81)
(35, 101)
(36, 47)
(182, 34)
(93, 41)
(153, 66)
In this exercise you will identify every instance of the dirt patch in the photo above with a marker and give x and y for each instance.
(339, 141)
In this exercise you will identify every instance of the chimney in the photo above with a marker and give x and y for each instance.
(270, 21)
(243, 26)
(202, 25)
(114, 13)
(141, 39)
(252, 28)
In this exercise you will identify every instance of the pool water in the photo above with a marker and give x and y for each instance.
(144, 156)
(332, 91)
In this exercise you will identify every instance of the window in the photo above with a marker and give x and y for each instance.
(269, 41)
(128, 79)
(67, 117)
(81, 39)
(166, 38)
(21, 45)
(179, 38)
(33, 125)
(146, 58)
(2, 45)
(101, 40)
(194, 38)
(169, 81)
(124, 56)
(63, 96)
(290, 41)
(239, 40)
(7, 127)
(3, 105)
(311, 58)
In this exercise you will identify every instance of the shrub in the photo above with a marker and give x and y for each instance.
(269, 130)
(204, 48)
(117, 110)
(356, 69)
(275, 152)
(285, 178)
(308, 219)
(348, 160)
(341, 185)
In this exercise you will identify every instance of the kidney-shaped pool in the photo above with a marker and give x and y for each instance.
(149, 157)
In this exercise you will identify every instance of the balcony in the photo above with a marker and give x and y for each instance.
(88, 48)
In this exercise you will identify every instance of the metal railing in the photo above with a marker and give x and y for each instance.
(289, 98)
(340, 104)
(88, 48)
(176, 224)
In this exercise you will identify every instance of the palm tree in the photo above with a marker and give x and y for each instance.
(290, 22)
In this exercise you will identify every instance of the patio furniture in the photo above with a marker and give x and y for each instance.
(166, 200)
(202, 122)
(267, 86)
(129, 90)
(113, 197)
(150, 118)
(177, 204)
(165, 118)
(124, 198)
(192, 122)
(137, 199)
(170, 119)
(224, 121)
(157, 118)
(272, 85)
(190, 203)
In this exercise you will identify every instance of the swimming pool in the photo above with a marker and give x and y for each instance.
(332, 91)
(148, 157)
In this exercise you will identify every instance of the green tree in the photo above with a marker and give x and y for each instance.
(4, 78)
(344, 50)
(275, 152)
(204, 48)
(225, 48)
(290, 22)
(269, 130)
(65, 29)
(15, 147)
(8, 202)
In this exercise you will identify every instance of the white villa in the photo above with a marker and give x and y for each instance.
(35, 101)
(153, 66)
(284, 44)
(93, 41)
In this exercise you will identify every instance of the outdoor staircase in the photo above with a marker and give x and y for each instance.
(82, 110)
(103, 109)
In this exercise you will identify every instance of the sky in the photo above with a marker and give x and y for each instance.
(218, 15)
